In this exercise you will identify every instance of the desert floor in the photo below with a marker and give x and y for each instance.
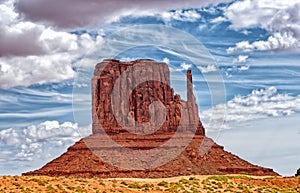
(226, 183)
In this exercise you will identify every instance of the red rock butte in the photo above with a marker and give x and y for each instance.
(136, 150)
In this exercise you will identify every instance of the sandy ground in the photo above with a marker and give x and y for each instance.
(225, 183)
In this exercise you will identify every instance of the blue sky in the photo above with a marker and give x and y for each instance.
(47, 55)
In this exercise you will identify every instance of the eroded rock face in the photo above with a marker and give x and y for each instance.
(107, 77)
(145, 83)
(80, 161)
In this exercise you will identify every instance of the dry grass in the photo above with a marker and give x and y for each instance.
(226, 183)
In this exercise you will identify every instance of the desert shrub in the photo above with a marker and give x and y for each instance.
(40, 182)
(240, 186)
(147, 186)
(163, 183)
(81, 180)
(70, 187)
(135, 185)
(184, 181)
(192, 178)
(59, 186)
(50, 189)
(219, 178)
(240, 177)
(250, 185)
(101, 182)
(16, 184)
(80, 189)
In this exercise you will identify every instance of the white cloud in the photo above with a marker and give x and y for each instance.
(34, 49)
(90, 12)
(32, 142)
(282, 18)
(181, 15)
(24, 71)
(54, 41)
(185, 66)
(21, 38)
(166, 60)
(32, 53)
(259, 104)
(241, 59)
(276, 42)
(240, 46)
(7, 14)
(128, 59)
(244, 68)
(218, 20)
(208, 68)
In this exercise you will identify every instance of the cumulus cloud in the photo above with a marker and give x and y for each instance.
(34, 53)
(22, 38)
(241, 59)
(166, 60)
(24, 71)
(32, 142)
(34, 50)
(27, 38)
(181, 15)
(257, 105)
(281, 18)
(276, 42)
(208, 68)
(76, 13)
(183, 66)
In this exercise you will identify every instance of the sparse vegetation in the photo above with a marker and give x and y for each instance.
(205, 184)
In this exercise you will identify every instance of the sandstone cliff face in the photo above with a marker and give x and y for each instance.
(104, 81)
(126, 125)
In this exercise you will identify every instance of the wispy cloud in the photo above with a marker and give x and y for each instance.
(258, 104)
(281, 18)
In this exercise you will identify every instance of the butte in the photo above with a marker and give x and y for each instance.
(124, 143)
